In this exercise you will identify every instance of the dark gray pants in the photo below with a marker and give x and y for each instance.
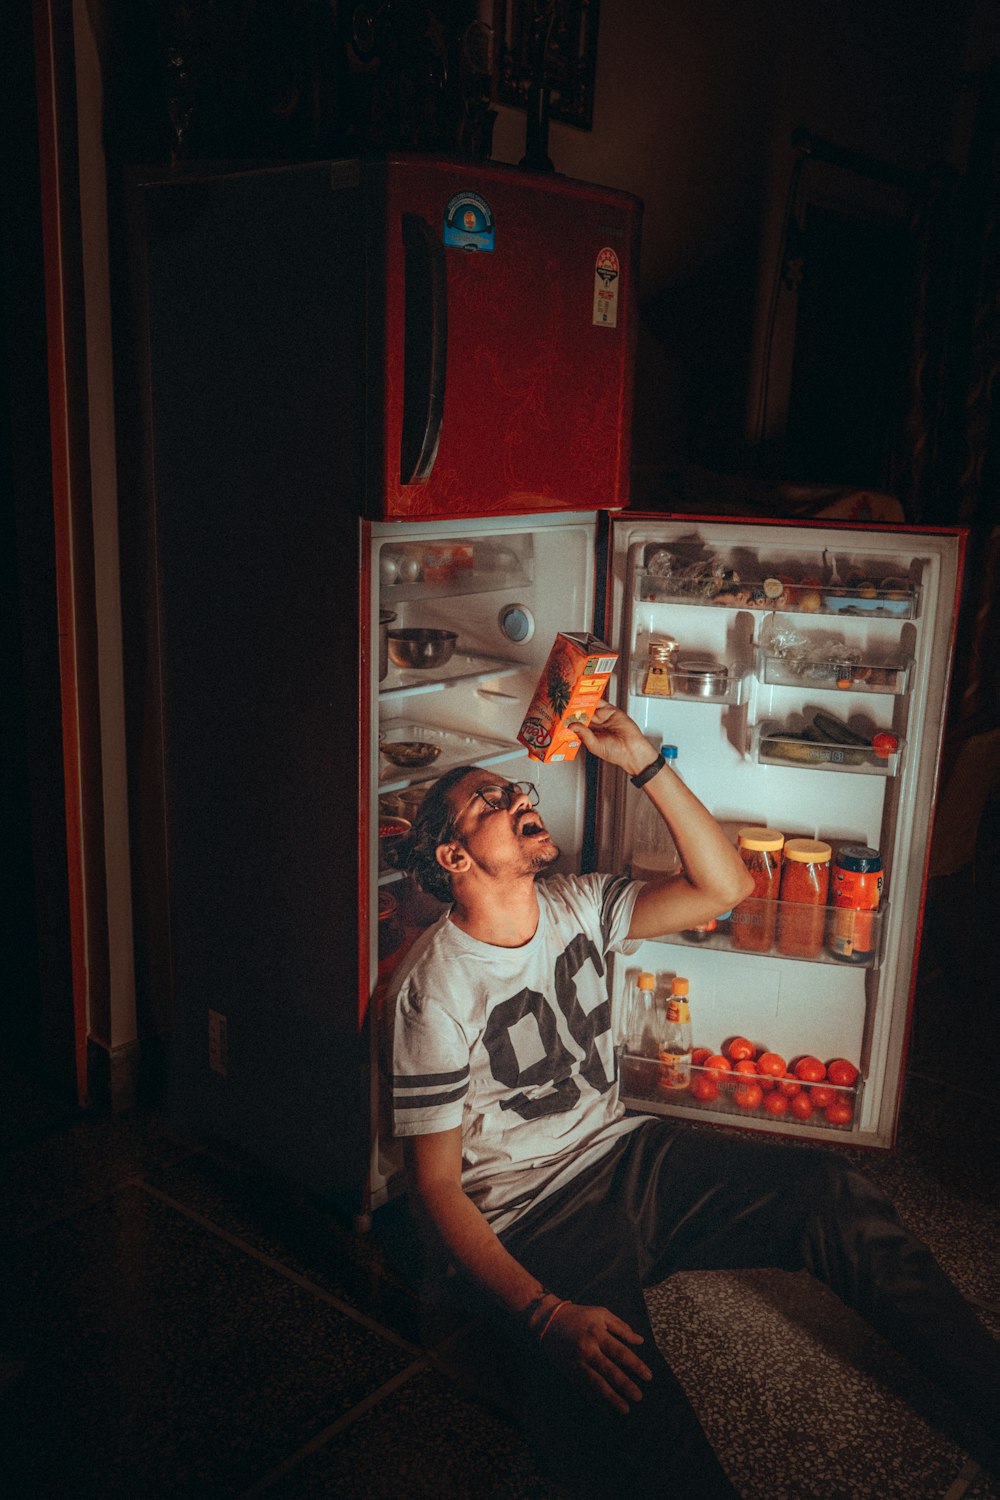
(671, 1199)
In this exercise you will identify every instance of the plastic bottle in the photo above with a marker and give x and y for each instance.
(753, 921)
(805, 882)
(642, 1037)
(675, 1040)
(654, 853)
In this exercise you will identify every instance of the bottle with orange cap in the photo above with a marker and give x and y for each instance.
(675, 1039)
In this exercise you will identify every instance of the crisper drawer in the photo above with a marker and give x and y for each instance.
(715, 1090)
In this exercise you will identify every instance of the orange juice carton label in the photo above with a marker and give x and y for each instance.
(569, 689)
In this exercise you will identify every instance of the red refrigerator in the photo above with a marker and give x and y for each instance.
(321, 348)
(336, 441)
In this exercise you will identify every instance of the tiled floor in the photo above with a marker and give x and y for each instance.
(174, 1329)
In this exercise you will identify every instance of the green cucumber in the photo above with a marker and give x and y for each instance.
(835, 731)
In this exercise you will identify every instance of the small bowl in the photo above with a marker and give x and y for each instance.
(410, 754)
(391, 832)
(421, 648)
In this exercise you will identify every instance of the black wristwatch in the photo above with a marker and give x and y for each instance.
(649, 772)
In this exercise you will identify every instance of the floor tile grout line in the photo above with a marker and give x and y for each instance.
(64, 1216)
(282, 1270)
(279, 1471)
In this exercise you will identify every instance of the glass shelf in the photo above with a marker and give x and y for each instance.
(870, 601)
(449, 569)
(786, 748)
(827, 674)
(407, 682)
(711, 1094)
(755, 915)
(453, 749)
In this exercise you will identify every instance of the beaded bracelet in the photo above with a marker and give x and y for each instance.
(552, 1316)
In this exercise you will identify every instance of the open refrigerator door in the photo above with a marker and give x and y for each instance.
(466, 612)
(802, 673)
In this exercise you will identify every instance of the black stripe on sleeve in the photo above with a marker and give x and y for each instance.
(428, 1080)
(427, 1101)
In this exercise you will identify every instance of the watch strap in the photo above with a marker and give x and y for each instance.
(649, 772)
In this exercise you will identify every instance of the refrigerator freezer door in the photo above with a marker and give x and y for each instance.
(507, 322)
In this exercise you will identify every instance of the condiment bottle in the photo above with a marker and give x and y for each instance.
(654, 853)
(675, 1041)
(657, 682)
(805, 884)
(856, 886)
(753, 921)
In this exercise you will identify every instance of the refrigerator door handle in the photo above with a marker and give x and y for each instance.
(425, 349)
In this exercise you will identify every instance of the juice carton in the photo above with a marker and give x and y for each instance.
(569, 689)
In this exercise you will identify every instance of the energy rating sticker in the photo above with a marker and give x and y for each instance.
(606, 278)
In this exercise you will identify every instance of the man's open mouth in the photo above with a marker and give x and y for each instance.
(531, 827)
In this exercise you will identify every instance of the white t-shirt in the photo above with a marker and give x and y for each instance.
(516, 1045)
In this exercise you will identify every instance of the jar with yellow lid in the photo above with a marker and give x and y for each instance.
(753, 921)
(805, 885)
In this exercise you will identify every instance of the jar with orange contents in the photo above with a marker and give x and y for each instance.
(753, 921)
(805, 885)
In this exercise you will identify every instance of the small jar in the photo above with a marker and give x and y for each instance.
(805, 884)
(659, 666)
(753, 920)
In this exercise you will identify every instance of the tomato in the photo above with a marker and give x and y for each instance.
(772, 1064)
(789, 1086)
(699, 1055)
(822, 1096)
(809, 1069)
(739, 1049)
(839, 1113)
(704, 1088)
(775, 1104)
(841, 1072)
(717, 1064)
(745, 1065)
(748, 1095)
(801, 1106)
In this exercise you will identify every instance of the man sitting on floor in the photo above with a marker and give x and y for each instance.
(546, 1196)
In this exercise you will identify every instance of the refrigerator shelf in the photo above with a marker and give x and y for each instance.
(714, 590)
(454, 749)
(756, 914)
(777, 746)
(712, 1094)
(407, 682)
(439, 570)
(692, 687)
(887, 674)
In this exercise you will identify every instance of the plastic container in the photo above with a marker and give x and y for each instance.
(654, 853)
(856, 885)
(753, 921)
(805, 885)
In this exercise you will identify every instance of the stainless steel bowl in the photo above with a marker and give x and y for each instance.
(421, 648)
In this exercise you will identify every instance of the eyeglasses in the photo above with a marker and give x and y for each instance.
(501, 798)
